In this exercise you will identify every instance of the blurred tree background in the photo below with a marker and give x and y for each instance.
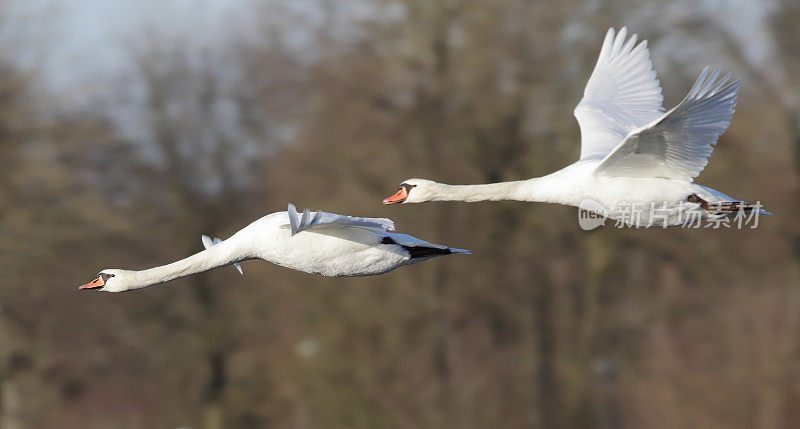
(202, 127)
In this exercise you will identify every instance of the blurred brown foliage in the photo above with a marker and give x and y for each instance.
(543, 326)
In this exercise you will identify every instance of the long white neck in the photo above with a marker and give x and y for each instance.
(224, 253)
(547, 189)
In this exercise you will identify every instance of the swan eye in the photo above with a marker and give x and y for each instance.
(406, 186)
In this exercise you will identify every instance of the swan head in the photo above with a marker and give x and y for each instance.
(110, 280)
(413, 191)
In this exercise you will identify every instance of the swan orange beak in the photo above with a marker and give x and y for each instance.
(398, 197)
(94, 284)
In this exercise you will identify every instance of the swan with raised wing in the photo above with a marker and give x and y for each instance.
(632, 151)
(314, 242)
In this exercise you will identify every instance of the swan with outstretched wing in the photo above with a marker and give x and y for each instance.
(634, 154)
(313, 242)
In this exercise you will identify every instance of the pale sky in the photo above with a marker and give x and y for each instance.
(78, 44)
(77, 41)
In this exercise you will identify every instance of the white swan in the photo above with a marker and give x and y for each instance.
(316, 242)
(633, 154)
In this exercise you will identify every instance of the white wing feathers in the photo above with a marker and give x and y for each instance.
(320, 219)
(621, 95)
(208, 242)
(677, 145)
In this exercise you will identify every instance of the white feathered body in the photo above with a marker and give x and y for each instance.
(665, 198)
(334, 251)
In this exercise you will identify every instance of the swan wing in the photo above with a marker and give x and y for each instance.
(677, 145)
(321, 220)
(622, 94)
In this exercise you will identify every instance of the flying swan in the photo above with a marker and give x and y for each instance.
(314, 242)
(632, 152)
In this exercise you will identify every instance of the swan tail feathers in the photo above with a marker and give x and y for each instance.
(419, 248)
(461, 251)
(209, 242)
(433, 250)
